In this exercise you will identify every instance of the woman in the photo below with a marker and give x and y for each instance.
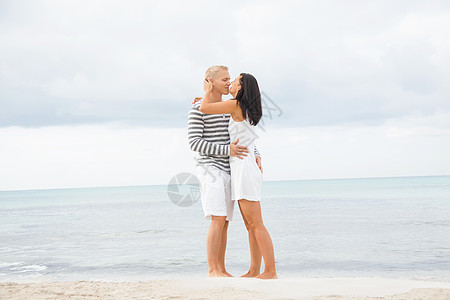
(246, 177)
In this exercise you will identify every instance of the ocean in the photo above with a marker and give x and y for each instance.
(383, 227)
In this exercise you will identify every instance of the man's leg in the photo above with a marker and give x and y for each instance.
(222, 250)
(213, 245)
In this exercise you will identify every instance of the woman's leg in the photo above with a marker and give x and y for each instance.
(255, 252)
(252, 212)
(222, 250)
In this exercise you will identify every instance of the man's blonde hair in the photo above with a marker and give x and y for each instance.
(212, 71)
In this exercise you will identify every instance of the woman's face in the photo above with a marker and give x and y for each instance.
(221, 82)
(235, 86)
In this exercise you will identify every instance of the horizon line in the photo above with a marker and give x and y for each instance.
(154, 185)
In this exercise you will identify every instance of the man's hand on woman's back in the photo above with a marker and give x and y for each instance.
(237, 150)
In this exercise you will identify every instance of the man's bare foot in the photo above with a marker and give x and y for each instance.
(222, 270)
(251, 274)
(268, 275)
(226, 273)
(217, 274)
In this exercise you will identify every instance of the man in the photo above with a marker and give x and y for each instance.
(208, 135)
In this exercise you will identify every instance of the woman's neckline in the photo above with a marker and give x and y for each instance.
(235, 120)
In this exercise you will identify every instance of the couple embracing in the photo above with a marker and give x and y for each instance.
(230, 171)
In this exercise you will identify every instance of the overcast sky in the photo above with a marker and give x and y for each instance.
(96, 93)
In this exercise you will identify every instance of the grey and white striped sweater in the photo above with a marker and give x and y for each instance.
(208, 135)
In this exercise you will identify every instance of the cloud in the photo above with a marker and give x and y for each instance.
(120, 155)
(97, 93)
(86, 56)
(437, 125)
(91, 156)
(78, 62)
(353, 62)
(354, 152)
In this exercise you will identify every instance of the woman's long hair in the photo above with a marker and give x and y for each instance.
(249, 98)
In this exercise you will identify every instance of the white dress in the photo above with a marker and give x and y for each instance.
(246, 177)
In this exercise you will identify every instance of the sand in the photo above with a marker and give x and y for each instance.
(233, 288)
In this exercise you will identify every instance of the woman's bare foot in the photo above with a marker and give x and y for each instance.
(268, 275)
(251, 274)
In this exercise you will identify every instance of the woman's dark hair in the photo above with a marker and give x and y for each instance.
(249, 98)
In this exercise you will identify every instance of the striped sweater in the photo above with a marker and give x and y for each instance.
(208, 135)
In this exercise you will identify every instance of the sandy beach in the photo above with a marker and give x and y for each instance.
(233, 288)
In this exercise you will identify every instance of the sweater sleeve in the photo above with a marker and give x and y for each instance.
(195, 135)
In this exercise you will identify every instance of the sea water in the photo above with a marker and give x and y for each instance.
(388, 227)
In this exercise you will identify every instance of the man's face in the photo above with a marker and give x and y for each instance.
(222, 82)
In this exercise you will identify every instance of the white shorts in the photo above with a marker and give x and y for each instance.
(215, 187)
